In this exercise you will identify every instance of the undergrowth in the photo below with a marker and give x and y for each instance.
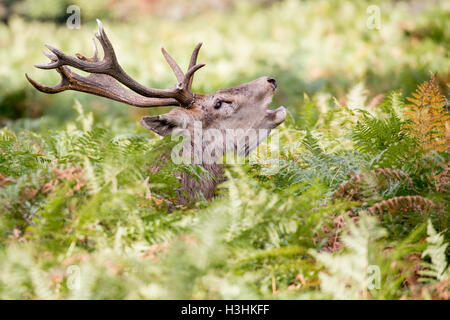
(355, 206)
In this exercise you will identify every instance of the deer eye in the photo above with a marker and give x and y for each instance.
(218, 104)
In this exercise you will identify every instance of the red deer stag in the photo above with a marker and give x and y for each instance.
(236, 110)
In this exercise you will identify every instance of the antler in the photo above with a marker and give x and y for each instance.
(106, 74)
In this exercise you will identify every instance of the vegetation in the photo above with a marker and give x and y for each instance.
(355, 205)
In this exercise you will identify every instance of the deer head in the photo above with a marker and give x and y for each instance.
(242, 107)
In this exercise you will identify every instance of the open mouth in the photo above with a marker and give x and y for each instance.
(269, 111)
(276, 116)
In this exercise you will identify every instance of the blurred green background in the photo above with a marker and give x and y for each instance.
(77, 198)
(308, 46)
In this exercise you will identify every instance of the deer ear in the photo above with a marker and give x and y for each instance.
(162, 124)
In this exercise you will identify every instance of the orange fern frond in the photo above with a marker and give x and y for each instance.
(429, 120)
(443, 181)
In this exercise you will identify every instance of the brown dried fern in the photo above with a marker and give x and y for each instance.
(349, 189)
(403, 204)
(429, 120)
(443, 181)
(331, 232)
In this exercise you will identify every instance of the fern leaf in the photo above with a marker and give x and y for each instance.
(349, 188)
(403, 204)
(428, 119)
(436, 248)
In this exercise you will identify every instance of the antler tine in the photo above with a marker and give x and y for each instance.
(108, 49)
(54, 63)
(173, 65)
(94, 57)
(190, 75)
(50, 55)
(61, 86)
(193, 62)
(43, 88)
(95, 50)
(194, 55)
(94, 46)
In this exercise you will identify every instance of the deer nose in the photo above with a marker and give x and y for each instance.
(272, 81)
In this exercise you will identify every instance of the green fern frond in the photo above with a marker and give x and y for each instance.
(382, 140)
(438, 269)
